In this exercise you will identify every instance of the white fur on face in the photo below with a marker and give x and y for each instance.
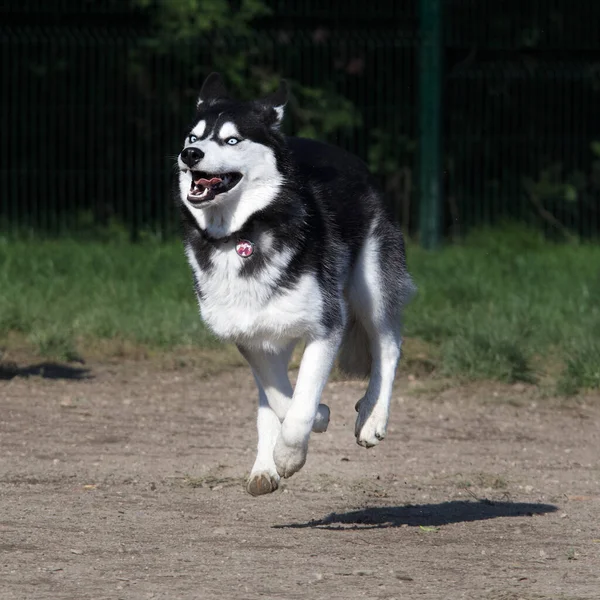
(199, 129)
(228, 130)
(258, 187)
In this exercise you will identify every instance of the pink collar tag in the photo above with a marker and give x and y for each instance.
(244, 248)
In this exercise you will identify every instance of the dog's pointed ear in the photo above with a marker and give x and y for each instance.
(213, 89)
(275, 102)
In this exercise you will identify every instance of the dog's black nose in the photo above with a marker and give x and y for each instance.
(190, 156)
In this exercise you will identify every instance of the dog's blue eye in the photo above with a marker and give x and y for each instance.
(193, 139)
(232, 141)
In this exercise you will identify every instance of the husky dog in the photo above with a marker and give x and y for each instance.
(288, 240)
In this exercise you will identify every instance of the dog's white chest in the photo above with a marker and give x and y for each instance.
(252, 307)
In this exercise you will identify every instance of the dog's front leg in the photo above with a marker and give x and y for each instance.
(270, 370)
(264, 478)
(292, 444)
(274, 400)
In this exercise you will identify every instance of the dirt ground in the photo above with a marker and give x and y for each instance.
(126, 481)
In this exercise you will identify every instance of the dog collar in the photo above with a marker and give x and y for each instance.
(243, 246)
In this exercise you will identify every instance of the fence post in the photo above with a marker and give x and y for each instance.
(430, 130)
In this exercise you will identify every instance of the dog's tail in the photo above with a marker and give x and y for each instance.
(354, 357)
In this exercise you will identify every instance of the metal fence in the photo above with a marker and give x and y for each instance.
(92, 112)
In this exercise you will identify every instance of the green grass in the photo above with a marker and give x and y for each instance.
(511, 306)
(504, 305)
(65, 296)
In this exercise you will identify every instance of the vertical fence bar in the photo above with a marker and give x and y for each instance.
(430, 142)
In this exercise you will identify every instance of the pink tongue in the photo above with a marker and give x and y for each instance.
(208, 182)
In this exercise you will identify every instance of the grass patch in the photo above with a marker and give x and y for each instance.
(505, 305)
(55, 342)
(487, 355)
(65, 297)
(582, 367)
(511, 306)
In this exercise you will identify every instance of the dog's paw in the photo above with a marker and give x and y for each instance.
(262, 482)
(322, 419)
(371, 424)
(289, 459)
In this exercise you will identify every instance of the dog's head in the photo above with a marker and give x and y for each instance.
(232, 146)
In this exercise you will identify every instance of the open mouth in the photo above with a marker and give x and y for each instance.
(207, 186)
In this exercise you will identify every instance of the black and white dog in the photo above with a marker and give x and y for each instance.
(288, 240)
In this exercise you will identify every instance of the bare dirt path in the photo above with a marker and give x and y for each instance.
(127, 482)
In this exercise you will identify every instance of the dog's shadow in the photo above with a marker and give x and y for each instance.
(47, 370)
(423, 515)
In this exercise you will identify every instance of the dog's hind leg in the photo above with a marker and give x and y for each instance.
(270, 371)
(374, 408)
(378, 288)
